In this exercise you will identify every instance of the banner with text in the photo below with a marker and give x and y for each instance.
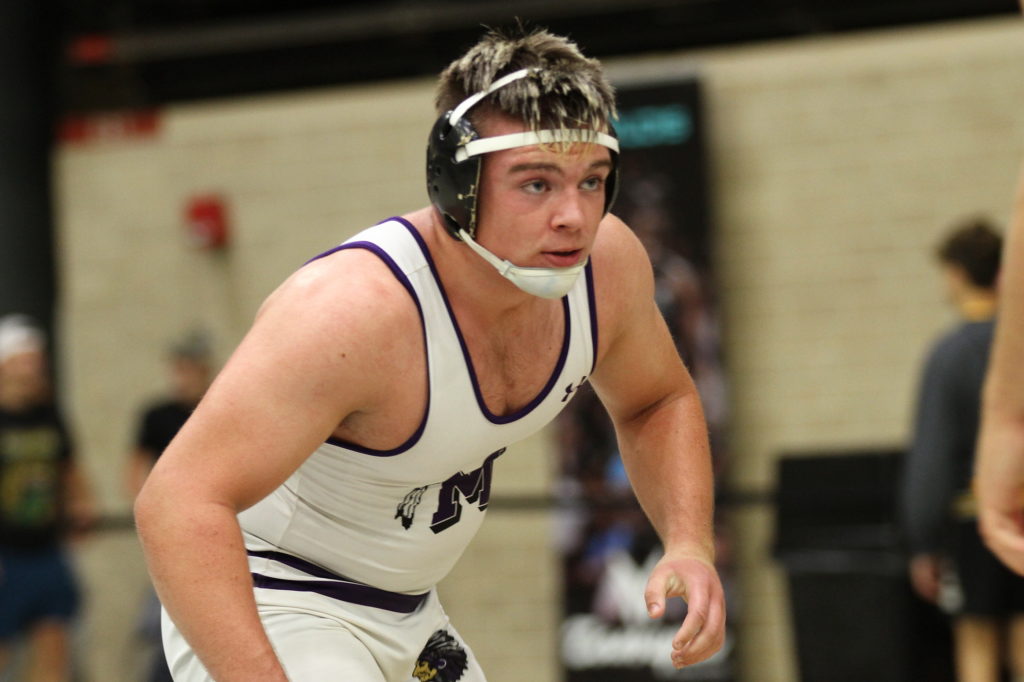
(607, 543)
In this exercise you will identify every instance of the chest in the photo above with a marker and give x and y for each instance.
(512, 363)
(512, 374)
(481, 374)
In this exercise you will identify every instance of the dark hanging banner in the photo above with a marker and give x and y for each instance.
(609, 547)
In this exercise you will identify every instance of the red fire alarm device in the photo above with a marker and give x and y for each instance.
(207, 222)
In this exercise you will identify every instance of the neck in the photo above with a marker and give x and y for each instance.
(977, 306)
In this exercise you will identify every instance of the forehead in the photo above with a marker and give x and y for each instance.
(556, 154)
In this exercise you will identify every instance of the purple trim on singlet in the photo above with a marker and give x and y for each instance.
(404, 281)
(334, 586)
(337, 248)
(592, 304)
(529, 407)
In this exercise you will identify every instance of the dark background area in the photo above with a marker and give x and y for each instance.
(64, 59)
(139, 53)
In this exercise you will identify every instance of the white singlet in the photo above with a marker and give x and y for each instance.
(372, 532)
(399, 519)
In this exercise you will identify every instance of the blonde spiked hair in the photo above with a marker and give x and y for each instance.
(565, 90)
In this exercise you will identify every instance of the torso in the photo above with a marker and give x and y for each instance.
(415, 465)
(34, 451)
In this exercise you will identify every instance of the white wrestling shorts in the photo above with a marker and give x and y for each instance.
(329, 629)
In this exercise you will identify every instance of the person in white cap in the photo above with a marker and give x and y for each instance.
(43, 496)
(341, 462)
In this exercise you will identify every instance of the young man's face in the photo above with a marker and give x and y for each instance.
(540, 206)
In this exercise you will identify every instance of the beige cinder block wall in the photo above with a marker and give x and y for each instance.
(839, 164)
(836, 164)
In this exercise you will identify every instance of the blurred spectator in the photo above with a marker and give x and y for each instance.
(949, 565)
(43, 496)
(189, 372)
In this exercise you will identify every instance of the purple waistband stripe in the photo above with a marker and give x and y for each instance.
(335, 586)
(296, 563)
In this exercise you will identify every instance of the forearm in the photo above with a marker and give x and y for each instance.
(927, 496)
(666, 454)
(1003, 395)
(999, 469)
(1000, 465)
(930, 477)
(197, 560)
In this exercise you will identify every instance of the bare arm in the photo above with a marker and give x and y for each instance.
(663, 439)
(999, 476)
(298, 373)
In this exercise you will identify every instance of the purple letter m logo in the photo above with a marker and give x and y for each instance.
(474, 487)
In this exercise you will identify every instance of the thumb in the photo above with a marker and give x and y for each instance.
(654, 594)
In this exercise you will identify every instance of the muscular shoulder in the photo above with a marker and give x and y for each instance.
(340, 317)
(623, 278)
(346, 286)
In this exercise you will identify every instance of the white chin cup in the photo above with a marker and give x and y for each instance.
(543, 282)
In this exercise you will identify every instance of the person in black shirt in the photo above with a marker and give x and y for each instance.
(949, 563)
(189, 373)
(190, 370)
(42, 496)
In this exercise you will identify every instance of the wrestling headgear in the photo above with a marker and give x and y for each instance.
(454, 160)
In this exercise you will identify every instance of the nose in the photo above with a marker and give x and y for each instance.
(571, 213)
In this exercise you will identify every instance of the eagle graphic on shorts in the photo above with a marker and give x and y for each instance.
(442, 660)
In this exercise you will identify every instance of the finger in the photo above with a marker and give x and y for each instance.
(708, 641)
(1003, 537)
(697, 612)
(1003, 527)
(654, 594)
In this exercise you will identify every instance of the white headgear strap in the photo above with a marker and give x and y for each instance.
(525, 139)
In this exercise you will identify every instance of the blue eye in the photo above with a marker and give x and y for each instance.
(535, 186)
(593, 183)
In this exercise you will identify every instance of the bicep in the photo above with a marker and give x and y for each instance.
(638, 364)
(284, 390)
(641, 367)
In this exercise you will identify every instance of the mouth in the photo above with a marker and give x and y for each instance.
(563, 259)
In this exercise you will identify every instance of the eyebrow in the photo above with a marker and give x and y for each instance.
(544, 166)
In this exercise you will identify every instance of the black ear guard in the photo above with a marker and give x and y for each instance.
(452, 185)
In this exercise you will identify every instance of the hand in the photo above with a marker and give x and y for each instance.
(696, 581)
(924, 576)
(1003, 531)
(999, 487)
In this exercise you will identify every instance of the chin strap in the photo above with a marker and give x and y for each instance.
(543, 282)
